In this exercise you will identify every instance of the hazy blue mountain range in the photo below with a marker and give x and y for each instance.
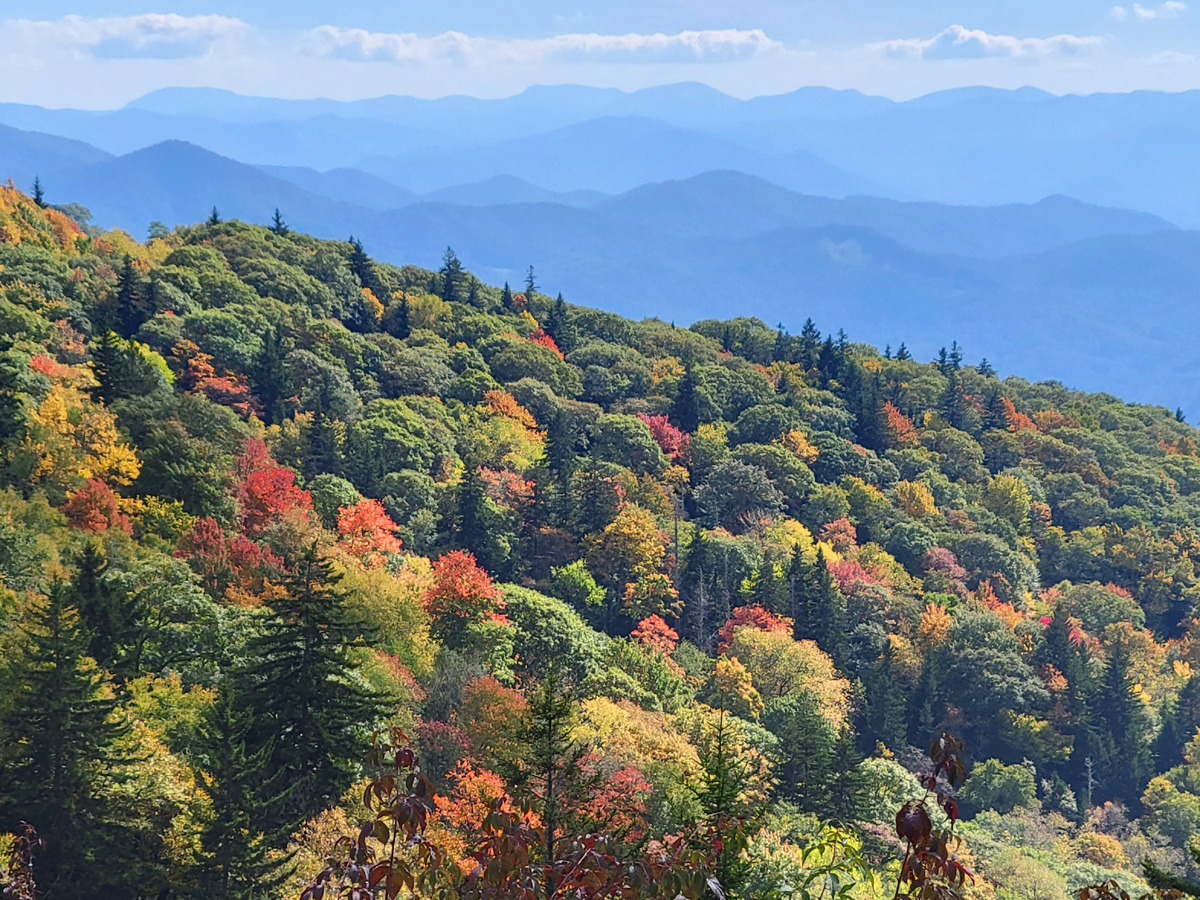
(684, 203)
(971, 145)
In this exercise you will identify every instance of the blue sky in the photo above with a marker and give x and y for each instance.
(102, 54)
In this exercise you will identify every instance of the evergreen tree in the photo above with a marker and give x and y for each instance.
(848, 784)
(506, 297)
(452, 275)
(132, 306)
(685, 408)
(62, 756)
(214, 217)
(559, 326)
(530, 285)
(310, 711)
(365, 271)
(902, 353)
(39, 195)
(807, 743)
(883, 702)
(810, 345)
(551, 770)
(396, 318)
(473, 530)
(278, 226)
(1124, 729)
(237, 862)
(720, 793)
(986, 369)
(818, 607)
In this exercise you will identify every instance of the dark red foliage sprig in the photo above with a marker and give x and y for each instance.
(931, 869)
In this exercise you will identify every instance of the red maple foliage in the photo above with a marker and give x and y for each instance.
(224, 562)
(368, 532)
(655, 634)
(540, 337)
(841, 535)
(94, 507)
(899, 427)
(506, 488)
(266, 490)
(671, 440)
(461, 592)
(755, 617)
(849, 574)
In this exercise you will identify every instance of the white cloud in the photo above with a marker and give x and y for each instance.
(1168, 10)
(957, 42)
(454, 47)
(150, 36)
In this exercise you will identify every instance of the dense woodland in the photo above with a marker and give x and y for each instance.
(700, 591)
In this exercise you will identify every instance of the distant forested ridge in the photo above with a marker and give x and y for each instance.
(264, 496)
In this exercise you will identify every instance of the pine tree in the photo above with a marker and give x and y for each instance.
(452, 275)
(236, 862)
(720, 793)
(530, 285)
(278, 226)
(506, 297)
(559, 326)
(214, 218)
(685, 408)
(902, 353)
(883, 713)
(818, 607)
(807, 744)
(848, 784)
(810, 345)
(61, 756)
(1124, 728)
(132, 308)
(309, 710)
(551, 770)
(39, 195)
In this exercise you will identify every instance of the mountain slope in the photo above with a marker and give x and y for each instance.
(612, 155)
(26, 154)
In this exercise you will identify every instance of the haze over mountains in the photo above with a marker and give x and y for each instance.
(960, 215)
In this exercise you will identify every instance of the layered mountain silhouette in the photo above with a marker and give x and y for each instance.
(974, 215)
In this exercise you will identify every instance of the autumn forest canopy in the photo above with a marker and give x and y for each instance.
(561, 603)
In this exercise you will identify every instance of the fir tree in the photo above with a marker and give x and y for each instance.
(810, 345)
(530, 285)
(214, 217)
(39, 195)
(883, 700)
(506, 297)
(310, 711)
(551, 770)
(237, 862)
(1124, 730)
(61, 749)
(131, 301)
(559, 326)
(902, 353)
(818, 607)
(278, 226)
(806, 750)
(685, 408)
(452, 275)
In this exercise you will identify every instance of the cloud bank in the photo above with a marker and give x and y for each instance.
(359, 45)
(150, 36)
(957, 42)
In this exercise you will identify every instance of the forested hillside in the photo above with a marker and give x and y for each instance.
(702, 591)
